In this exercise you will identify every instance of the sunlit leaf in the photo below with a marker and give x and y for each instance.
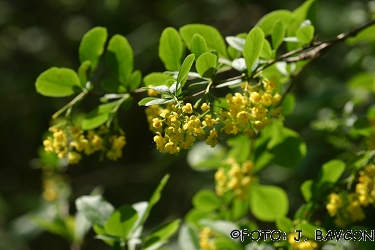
(206, 65)
(185, 68)
(97, 116)
(171, 49)
(266, 22)
(198, 45)
(212, 36)
(253, 47)
(120, 58)
(206, 200)
(92, 46)
(121, 222)
(268, 203)
(58, 82)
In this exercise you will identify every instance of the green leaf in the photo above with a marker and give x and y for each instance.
(58, 82)
(267, 52)
(267, 22)
(239, 209)
(188, 238)
(206, 65)
(305, 11)
(154, 198)
(171, 49)
(361, 87)
(240, 147)
(253, 47)
(206, 200)
(121, 222)
(234, 53)
(364, 36)
(213, 37)
(284, 224)
(161, 235)
(120, 58)
(185, 68)
(195, 215)
(92, 46)
(236, 42)
(198, 45)
(94, 208)
(141, 208)
(146, 100)
(363, 126)
(306, 189)
(305, 34)
(268, 203)
(134, 80)
(58, 227)
(288, 104)
(284, 141)
(331, 171)
(112, 85)
(97, 116)
(156, 79)
(83, 72)
(278, 34)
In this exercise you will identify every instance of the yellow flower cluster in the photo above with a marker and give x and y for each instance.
(366, 186)
(301, 245)
(345, 207)
(52, 187)
(248, 110)
(205, 239)
(70, 142)
(117, 142)
(236, 179)
(176, 127)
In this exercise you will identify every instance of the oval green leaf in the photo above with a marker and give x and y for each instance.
(305, 34)
(206, 65)
(206, 200)
(156, 79)
(331, 171)
(92, 46)
(120, 58)
(278, 34)
(198, 45)
(185, 68)
(58, 82)
(97, 116)
(267, 22)
(253, 47)
(268, 203)
(160, 235)
(171, 49)
(121, 222)
(212, 36)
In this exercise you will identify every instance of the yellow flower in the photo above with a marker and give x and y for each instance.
(205, 107)
(74, 157)
(335, 202)
(187, 108)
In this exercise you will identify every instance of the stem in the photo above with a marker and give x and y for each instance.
(69, 105)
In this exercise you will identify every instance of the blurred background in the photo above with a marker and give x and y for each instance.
(37, 35)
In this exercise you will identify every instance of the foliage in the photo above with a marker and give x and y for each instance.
(242, 118)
